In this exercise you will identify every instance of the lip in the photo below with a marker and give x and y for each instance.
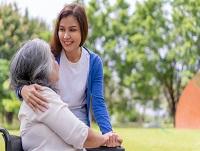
(67, 43)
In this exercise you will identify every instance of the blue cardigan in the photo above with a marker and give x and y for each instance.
(95, 93)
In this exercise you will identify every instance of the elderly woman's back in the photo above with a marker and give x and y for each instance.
(51, 130)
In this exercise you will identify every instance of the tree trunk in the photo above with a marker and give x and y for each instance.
(173, 113)
(169, 94)
(9, 117)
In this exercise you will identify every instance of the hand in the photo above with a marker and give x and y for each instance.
(114, 140)
(30, 93)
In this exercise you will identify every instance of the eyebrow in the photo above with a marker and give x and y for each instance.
(69, 26)
(73, 26)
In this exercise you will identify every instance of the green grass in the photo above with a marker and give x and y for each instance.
(159, 139)
(138, 139)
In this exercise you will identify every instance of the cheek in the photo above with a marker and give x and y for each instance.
(59, 35)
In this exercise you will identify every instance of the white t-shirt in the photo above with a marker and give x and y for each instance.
(55, 129)
(72, 82)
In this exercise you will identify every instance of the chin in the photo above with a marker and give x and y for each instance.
(67, 49)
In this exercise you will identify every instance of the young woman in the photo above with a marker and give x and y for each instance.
(81, 73)
(57, 128)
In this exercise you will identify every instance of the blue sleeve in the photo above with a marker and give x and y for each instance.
(99, 108)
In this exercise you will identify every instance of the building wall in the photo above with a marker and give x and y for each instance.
(188, 108)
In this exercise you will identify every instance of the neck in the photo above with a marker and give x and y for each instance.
(74, 56)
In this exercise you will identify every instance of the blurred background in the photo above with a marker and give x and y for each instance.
(150, 50)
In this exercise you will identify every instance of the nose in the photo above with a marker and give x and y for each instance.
(66, 35)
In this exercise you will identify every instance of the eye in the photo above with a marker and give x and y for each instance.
(61, 29)
(73, 29)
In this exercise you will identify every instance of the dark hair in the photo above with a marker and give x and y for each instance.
(76, 10)
(31, 64)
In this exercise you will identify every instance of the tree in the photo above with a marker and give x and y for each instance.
(15, 28)
(152, 52)
(107, 23)
(168, 33)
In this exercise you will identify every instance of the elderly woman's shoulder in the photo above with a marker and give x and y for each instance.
(50, 95)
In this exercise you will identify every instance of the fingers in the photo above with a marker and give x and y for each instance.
(34, 99)
(114, 140)
(37, 94)
(37, 103)
(106, 140)
(31, 106)
(39, 98)
(120, 140)
(38, 87)
(109, 142)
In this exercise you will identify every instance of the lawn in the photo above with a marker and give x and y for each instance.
(160, 139)
(136, 139)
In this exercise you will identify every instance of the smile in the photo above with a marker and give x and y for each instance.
(68, 43)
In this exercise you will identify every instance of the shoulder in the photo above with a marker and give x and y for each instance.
(50, 95)
(93, 55)
(95, 59)
(47, 91)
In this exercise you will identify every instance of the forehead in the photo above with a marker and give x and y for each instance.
(69, 21)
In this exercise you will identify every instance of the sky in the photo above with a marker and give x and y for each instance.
(44, 9)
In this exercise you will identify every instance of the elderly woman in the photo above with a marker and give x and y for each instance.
(57, 128)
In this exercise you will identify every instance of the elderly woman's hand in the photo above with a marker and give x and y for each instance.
(31, 94)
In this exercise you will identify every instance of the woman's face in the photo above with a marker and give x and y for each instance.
(69, 34)
(54, 75)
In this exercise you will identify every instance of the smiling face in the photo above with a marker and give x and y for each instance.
(69, 34)
(75, 14)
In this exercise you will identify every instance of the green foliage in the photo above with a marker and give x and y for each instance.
(150, 53)
(127, 116)
(15, 29)
(3, 76)
(3, 71)
(10, 102)
(11, 105)
(171, 33)
(107, 36)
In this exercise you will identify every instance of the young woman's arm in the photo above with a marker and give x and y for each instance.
(99, 108)
(98, 104)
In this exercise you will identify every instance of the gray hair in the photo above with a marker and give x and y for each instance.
(31, 64)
